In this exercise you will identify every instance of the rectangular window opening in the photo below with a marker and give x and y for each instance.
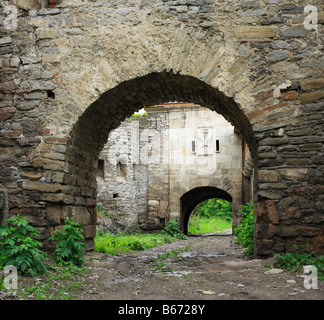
(134, 171)
(121, 171)
(101, 168)
(217, 145)
(193, 146)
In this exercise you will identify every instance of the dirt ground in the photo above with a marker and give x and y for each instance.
(209, 268)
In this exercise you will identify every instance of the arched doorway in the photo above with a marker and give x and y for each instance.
(192, 198)
(211, 217)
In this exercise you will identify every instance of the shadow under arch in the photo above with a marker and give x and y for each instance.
(90, 133)
(193, 197)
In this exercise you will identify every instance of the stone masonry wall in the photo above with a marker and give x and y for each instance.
(160, 165)
(71, 74)
(122, 192)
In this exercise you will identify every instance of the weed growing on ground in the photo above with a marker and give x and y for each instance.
(58, 283)
(123, 243)
(294, 262)
(244, 230)
(19, 248)
(69, 247)
(208, 225)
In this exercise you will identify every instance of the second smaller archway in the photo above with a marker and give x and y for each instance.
(192, 198)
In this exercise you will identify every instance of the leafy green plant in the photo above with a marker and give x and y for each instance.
(244, 230)
(294, 262)
(18, 248)
(69, 246)
(172, 229)
(136, 246)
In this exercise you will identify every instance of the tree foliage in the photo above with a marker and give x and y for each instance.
(214, 208)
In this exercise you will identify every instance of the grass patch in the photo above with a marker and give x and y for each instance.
(295, 262)
(62, 282)
(208, 225)
(210, 216)
(124, 243)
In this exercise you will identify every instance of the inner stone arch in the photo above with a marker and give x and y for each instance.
(90, 132)
(197, 195)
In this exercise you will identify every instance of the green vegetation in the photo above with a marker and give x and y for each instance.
(172, 230)
(210, 216)
(69, 246)
(208, 225)
(244, 231)
(18, 248)
(103, 213)
(294, 262)
(124, 242)
(135, 116)
(58, 283)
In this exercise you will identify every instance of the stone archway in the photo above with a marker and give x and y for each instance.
(83, 63)
(90, 133)
(195, 196)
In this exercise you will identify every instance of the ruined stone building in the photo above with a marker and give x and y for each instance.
(72, 70)
(159, 167)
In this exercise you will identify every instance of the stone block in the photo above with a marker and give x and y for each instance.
(295, 32)
(306, 98)
(81, 215)
(55, 215)
(271, 209)
(58, 198)
(261, 230)
(32, 175)
(42, 186)
(272, 231)
(51, 58)
(153, 203)
(311, 84)
(46, 33)
(89, 231)
(268, 176)
(5, 40)
(29, 4)
(263, 247)
(294, 174)
(255, 33)
(270, 194)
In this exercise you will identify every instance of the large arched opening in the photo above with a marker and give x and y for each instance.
(90, 132)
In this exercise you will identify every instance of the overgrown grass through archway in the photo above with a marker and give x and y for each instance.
(209, 216)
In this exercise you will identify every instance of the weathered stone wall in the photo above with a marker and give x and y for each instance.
(205, 167)
(71, 74)
(160, 165)
(123, 184)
